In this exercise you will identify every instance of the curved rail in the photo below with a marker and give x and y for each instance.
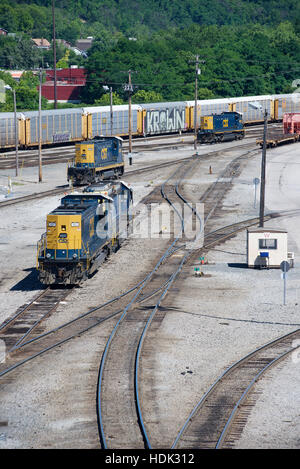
(246, 393)
(64, 188)
(104, 356)
(158, 303)
(226, 373)
(10, 320)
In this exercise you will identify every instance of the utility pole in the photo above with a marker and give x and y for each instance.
(263, 173)
(40, 127)
(197, 72)
(54, 54)
(129, 88)
(16, 133)
(196, 99)
(7, 87)
(111, 111)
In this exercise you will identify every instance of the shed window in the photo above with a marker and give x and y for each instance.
(268, 244)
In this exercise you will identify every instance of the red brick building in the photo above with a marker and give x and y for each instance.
(69, 83)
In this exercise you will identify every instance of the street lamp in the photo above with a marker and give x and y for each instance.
(16, 127)
(106, 88)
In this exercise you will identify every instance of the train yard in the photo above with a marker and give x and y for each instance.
(29, 158)
(146, 353)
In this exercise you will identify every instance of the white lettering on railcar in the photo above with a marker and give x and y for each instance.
(165, 120)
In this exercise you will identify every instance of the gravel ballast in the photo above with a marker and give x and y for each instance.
(210, 321)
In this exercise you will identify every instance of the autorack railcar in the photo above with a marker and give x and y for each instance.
(7, 129)
(75, 125)
(163, 118)
(82, 232)
(97, 159)
(57, 126)
(99, 120)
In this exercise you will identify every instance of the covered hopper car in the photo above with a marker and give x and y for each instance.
(82, 232)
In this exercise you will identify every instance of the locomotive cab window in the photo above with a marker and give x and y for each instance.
(267, 243)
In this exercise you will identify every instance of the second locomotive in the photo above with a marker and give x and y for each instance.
(97, 159)
(221, 127)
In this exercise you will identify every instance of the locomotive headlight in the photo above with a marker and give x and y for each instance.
(48, 255)
(74, 256)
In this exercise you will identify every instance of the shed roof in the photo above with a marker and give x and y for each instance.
(266, 230)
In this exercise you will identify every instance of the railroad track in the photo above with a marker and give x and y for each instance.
(40, 344)
(120, 407)
(29, 350)
(30, 158)
(219, 417)
(29, 317)
(66, 188)
(17, 328)
(124, 416)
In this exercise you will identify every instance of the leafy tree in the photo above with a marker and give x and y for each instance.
(64, 61)
(105, 99)
(143, 96)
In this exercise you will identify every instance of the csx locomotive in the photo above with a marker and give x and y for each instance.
(221, 127)
(82, 232)
(97, 159)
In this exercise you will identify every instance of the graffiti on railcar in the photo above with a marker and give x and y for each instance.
(166, 120)
(61, 137)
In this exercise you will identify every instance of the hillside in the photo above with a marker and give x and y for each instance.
(138, 17)
(246, 47)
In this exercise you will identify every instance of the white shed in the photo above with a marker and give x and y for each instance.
(267, 247)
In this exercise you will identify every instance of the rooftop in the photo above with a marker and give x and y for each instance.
(41, 42)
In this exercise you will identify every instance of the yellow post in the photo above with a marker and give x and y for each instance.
(9, 184)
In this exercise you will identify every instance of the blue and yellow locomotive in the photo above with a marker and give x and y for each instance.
(221, 127)
(97, 159)
(82, 232)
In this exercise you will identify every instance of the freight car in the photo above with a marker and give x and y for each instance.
(223, 127)
(98, 120)
(163, 118)
(96, 159)
(291, 123)
(58, 126)
(8, 131)
(61, 126)
(82, 232)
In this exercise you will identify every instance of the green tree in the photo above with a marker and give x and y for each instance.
(143, 96)
(105, 99)
(64, 61)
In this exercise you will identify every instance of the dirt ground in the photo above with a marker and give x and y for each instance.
(211, 321)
